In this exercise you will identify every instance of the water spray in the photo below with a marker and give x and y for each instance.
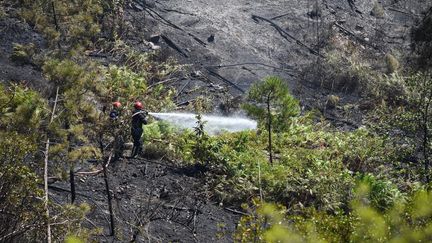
(214, 124)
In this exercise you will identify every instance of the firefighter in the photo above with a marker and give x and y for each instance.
(139, 118)
(115, 111)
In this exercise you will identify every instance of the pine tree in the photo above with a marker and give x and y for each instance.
(270, 102)
(77, 116)
(21, 118)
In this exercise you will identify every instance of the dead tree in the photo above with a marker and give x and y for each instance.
(109, 196)
(46, 153)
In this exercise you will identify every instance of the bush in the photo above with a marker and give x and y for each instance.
(383, 194)
(75, 23)
(343, 69)
(158, 140)
(122, 84)
(23, 54)
(405, 221)
(392, 63)
(332, 101)
(24, 110)
(314, 167)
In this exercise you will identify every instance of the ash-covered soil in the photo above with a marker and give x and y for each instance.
(244, 41)
(233, 43)
(153, 201)
(13, 30)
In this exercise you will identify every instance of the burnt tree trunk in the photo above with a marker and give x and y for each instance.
(426, 137)
(72, 184)
(269, 129)
(107, 188)
(72, 167)
(55, 22)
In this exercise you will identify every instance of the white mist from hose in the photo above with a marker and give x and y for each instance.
(213, 125)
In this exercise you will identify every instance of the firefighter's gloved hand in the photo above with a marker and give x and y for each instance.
(113, 115)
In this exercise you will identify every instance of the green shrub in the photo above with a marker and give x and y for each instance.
(75, 23)
(22, 54)
(383, 194)
(315, 167)
(405, 221)
(332, 101)
(343, 69)
(158, 140)
(393, 64)
(23, 111)
(23, 212)
(122, 84)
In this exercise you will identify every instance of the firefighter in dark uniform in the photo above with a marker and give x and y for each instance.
(139, 118)
(115, 111)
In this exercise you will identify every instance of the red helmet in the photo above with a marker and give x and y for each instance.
(138, 105)
(116, 104)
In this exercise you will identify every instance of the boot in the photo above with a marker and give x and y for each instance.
(139, 151)
(134, 152)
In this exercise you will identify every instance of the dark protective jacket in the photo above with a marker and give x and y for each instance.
(139, 119)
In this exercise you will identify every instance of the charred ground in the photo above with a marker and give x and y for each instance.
(154, 200)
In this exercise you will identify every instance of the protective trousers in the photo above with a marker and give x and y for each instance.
(137, 142)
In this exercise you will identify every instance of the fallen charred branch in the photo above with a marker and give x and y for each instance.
(236, 211)
(279, 16)
(285, 34)
(177, 11)
(359, 39)
(253, 63)
(185, 103)
(181, 208)
(171, 44)
(169, 23)
(404, 12)
(197, 39)
(215, 74)
(182, 89)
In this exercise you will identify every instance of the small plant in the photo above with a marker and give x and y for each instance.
(201, 148)
(202, 104)
(2, 11)
(332, 101)
(393, 64)
(23, 54)
(377, 10)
